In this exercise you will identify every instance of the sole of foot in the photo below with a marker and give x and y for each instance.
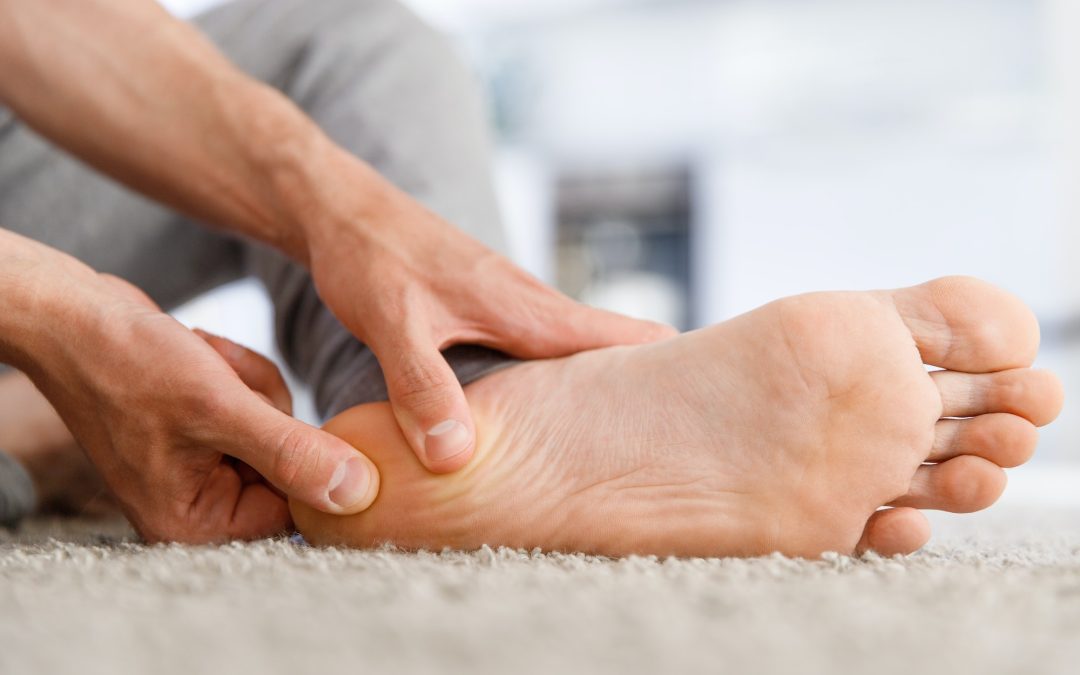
(808, 425)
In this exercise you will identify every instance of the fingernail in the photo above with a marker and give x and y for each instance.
(445, 440)
(350, 482)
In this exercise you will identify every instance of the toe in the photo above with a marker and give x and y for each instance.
(895, 531)
(960, 485)
(1004, 439)
(1035, 395)
(961, 323)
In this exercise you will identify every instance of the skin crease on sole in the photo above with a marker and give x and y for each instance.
(808, 425)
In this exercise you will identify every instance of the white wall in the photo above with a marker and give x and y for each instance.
(1062, 19)
(188, 8)
(850, 143)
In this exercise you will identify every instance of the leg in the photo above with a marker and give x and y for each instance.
(390, 90)
(44, 468)
(48, 196)
(785, 429)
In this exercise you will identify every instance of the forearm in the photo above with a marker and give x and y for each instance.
(146, 99)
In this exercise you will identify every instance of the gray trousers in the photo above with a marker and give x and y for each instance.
(379, 82)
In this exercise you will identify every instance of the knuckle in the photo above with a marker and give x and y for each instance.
(419, 386)
(293, 461)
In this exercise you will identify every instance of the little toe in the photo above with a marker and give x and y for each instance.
(961, 323)
(1035, 395)
(894, 531)
(961, 485)
(1004, 439)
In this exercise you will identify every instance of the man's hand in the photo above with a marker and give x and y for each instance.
(133, 85)
(168, 416)
(409, 285)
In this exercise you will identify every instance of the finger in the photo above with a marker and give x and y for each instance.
(559, 326)
(1004, 439)
(258, 372)
(260, 512)
(307, 464)
(429, 405)
(249, 476)
(227, 508)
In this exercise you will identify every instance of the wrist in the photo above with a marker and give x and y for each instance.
(20, 295)
(42, 295)
(279, 145)
(327, 195)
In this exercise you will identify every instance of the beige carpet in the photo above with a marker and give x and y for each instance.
(992, 596)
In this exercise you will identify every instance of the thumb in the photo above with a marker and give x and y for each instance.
(429, 405)
(307, 464)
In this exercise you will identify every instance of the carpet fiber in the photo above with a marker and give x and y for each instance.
(76, 597)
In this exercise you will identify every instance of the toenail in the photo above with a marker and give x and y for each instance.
(350, 482)
(445, 440)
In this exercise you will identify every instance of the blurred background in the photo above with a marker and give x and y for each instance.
(688, 160)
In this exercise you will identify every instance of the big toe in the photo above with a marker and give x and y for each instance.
(895, 531)
(962, 323)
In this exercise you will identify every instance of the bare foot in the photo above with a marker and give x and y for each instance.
(34, 435)
(785, 429)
